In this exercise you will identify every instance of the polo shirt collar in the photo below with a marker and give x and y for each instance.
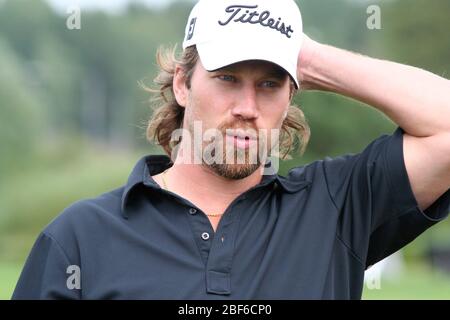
(154, 164)
(141, 174)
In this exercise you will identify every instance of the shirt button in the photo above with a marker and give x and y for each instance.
(192, 211)
(205, 236)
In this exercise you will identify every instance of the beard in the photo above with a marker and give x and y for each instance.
(229, 161)
(240, 168)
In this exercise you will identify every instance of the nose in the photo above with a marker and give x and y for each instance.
(246, 106)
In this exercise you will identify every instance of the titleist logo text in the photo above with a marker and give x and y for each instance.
(237, 14)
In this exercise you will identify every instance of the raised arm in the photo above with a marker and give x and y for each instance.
(416, 100)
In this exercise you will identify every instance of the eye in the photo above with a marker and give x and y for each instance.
(269, 84)
(227, 77)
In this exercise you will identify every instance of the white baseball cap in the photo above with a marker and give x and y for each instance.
(230, 31)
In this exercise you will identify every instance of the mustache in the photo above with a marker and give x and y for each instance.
(237, 125)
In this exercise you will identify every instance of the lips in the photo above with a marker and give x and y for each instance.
(242, 134)
(241, 139)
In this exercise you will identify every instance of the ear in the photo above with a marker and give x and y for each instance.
(180, 89)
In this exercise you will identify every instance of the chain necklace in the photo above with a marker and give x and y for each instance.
(164, 180)
(163, 177)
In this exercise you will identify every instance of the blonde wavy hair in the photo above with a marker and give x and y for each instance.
(168, 114)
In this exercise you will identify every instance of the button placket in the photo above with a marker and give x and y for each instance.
(218, 269)
(200, 226)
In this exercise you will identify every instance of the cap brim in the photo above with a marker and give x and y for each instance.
(218, 54)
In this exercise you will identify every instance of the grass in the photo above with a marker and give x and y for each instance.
(417, 282)
(9, 274)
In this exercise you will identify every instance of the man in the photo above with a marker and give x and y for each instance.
(211, 222)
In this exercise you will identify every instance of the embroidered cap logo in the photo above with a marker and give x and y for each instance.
(191, 29)
(263, 18)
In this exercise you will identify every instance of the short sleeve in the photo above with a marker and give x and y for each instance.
(47, 272)
(378, 211)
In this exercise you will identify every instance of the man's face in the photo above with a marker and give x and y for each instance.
(240, 105)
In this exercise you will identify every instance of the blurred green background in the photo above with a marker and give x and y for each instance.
(72, 116)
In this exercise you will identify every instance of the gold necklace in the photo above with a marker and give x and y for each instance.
(163, 177)
(164, 180)
(214, 214)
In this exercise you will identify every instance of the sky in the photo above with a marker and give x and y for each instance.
(113, 6)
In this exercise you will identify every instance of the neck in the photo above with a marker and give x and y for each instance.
(205, 181)
(202, 179)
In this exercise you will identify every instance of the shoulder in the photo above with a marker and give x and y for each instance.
(384, 148)
(313, 170)
(337, 173)
(85, 216)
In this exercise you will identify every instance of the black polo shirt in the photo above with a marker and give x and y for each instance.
(308, 235)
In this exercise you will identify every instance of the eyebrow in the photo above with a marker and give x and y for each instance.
(278, 74)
